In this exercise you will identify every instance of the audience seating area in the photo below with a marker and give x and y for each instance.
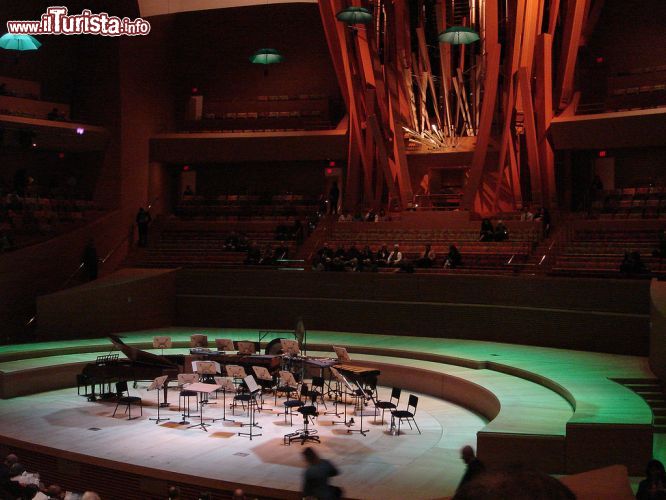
(203, 245)
(24, 221)
(600, 252)
(632, 202)
(476, 255)
(265, 113)
(283, 208)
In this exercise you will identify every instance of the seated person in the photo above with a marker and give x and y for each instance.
(487, 232)
(654, 484)
(231, 242)
(323, 258)
(345, 217)
(358, 216)
(370, 216)
(395, 257)
(501, 231)
(267, 257)
(242, 243)
(381, 217)
(366, 260)
(427, 258)
(340, 252)
(281, 252)
(526, 214)
(353, 256)
(337, 264)
(253, 254)
(632, 264)
(453, 258)
(382, 256)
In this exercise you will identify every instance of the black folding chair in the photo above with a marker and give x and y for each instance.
(406, 414)
(124, 398)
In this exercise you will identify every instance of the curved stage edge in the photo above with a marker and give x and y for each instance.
(559, 409)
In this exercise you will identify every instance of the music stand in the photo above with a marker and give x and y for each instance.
(162, 342)
(253, 389)
(342, 354)
(202, 389)
(158, 385)
(226, 384)
(290, 347)
(342, 381)
(246, 347)
(206, 371)
(224, 345)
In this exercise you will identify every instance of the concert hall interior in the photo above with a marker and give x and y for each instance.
(384, 231)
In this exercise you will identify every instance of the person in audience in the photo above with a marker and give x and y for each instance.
(54, 114)
(340, 252)
(238, 494)
(90, 260)
(231, 242)
(653, 487)
(501, 232)
(242, 244)
(526, 214)
(143, 219)
(281, 252)
(474, 466)
(188, 191)
(632, 264)
(174, 493)
(353, 256)
(544, 217)
(322, 258)
(333, 197)
(382, 216)
(267, 256)
(55, 492)
(316, 477)
(358, 216)
(90, 495)
(515, 484)
(427, 258)
(453, 258)
(395, 257)
(205, 495)
(366, 260)
(487, 232)
(382, 256)
(297, 232)
(345, 217)
(370, 216)
(253, 254)
(13, 486)
(6, 465)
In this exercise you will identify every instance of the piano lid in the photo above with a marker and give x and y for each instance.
(137, 355)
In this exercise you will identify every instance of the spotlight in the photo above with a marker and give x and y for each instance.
(80, 130)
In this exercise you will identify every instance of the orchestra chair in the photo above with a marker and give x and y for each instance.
(226, 345)
(124, 398)
(198, 340)
(317, 392)
(290, 404)
(187, 378)
(162, 342)
(245, 397)
(391, 404)
(406, 414)
(286, 384)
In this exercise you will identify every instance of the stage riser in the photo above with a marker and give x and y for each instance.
(545, 453)
(49, 378)
(620, 334)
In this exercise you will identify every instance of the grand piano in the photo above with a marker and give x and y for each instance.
(139, 365)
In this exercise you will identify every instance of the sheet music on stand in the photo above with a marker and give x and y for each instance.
(290, 347)
(226, 384)
(251, 384)
(206, 367)
(225, 345)
(236, 371)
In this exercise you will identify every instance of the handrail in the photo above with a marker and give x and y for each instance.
(101, 261)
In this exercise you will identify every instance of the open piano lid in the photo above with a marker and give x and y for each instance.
(135, 354)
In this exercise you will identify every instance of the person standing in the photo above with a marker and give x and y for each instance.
(90, 260)
(333, 197)
(474, 465)
(316, 477)
(143, 219)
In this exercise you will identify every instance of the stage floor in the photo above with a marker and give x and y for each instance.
(379, 465)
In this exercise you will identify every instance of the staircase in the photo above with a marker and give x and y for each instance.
(651, 391)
